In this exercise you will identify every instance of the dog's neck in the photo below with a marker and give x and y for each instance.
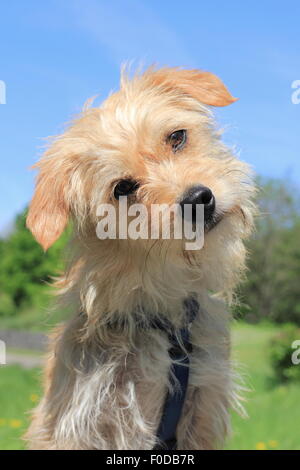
(112, 283)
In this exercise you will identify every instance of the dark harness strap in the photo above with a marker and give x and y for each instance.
(181, 347)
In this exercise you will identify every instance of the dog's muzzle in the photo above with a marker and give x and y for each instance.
(199, 195)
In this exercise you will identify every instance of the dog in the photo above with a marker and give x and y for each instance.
(109, 370)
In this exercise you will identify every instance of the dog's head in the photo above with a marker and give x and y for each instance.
(153, 141)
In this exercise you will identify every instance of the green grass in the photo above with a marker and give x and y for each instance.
(34, 319)
(274, 412)
(19, 391)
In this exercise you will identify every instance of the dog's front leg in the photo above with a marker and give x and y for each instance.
(107, 403)
(205, 420)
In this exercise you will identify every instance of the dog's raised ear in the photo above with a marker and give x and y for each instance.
(48, 210)
(203, 86)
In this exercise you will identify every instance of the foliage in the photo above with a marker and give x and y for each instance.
(272, 286)
(281, 351)
(25, 269)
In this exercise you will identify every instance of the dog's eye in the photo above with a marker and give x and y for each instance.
(177, 139)
(125, 187)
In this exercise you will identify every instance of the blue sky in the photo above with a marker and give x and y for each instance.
(56, 53)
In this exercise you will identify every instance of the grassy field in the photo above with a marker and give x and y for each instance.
(19, 392)
(40, 319)
(274, 412)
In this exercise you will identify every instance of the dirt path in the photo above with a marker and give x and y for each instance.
(24, 360)
(24, 348)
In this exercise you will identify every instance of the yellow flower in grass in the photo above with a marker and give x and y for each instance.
(2, 422)
(261, 446)
(34, 397)
(15, 423)
(273, 444)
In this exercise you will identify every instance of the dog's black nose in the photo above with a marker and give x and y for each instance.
(198, 195)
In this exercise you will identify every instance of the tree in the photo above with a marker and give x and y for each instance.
(272, 286)
(25, 269)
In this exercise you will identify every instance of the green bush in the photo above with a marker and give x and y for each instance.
(25, 270)
(7, 306)
(271, 290)
(281, 351)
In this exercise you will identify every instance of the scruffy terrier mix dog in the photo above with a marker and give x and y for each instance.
(108, 372)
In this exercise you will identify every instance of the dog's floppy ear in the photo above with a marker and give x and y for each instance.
(203, 86)
(48, 210)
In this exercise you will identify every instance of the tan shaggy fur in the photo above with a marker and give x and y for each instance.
(105, 387)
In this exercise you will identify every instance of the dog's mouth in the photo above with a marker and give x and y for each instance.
(209, 224)
(212, 222)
